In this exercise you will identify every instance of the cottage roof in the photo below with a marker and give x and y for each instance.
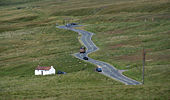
(43, 68)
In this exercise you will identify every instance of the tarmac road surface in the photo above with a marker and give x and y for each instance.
(107, 69)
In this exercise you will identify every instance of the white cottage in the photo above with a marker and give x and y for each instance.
(44, 70)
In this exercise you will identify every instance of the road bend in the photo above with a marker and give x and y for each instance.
(107, 69)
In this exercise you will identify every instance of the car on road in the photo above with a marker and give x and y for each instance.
(98, 68)
(85, 58)
(73, 23)
(70, 24)
(82, 50)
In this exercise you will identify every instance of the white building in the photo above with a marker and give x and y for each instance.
(44, 70)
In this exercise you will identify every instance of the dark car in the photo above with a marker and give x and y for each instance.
(74, 24)
(99, 69)
(60, 72)
(85, 58)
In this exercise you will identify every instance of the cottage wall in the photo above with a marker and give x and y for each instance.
(37, 72)
(45, 72)
(52, 70)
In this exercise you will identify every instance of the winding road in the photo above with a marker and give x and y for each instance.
(107, 69)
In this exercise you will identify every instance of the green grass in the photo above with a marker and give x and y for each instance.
(79, 85)
(124, 42)
(28, 37)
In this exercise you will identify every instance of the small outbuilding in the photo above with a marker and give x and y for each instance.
(40, 70)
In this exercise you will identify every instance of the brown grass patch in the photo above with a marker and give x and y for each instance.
(165, 57)
(117, 46)
(130, 57)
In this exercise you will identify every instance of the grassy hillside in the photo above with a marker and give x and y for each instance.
(28, 37)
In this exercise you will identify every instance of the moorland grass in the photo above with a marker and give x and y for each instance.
(28, 37)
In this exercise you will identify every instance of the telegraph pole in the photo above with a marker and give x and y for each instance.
(143, 73)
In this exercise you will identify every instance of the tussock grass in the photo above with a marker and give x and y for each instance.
(28, 37)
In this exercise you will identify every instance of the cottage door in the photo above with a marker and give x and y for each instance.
(41, 72)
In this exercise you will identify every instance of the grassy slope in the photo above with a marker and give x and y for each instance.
(28, 37)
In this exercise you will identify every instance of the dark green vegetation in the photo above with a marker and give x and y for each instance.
(28, 38)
